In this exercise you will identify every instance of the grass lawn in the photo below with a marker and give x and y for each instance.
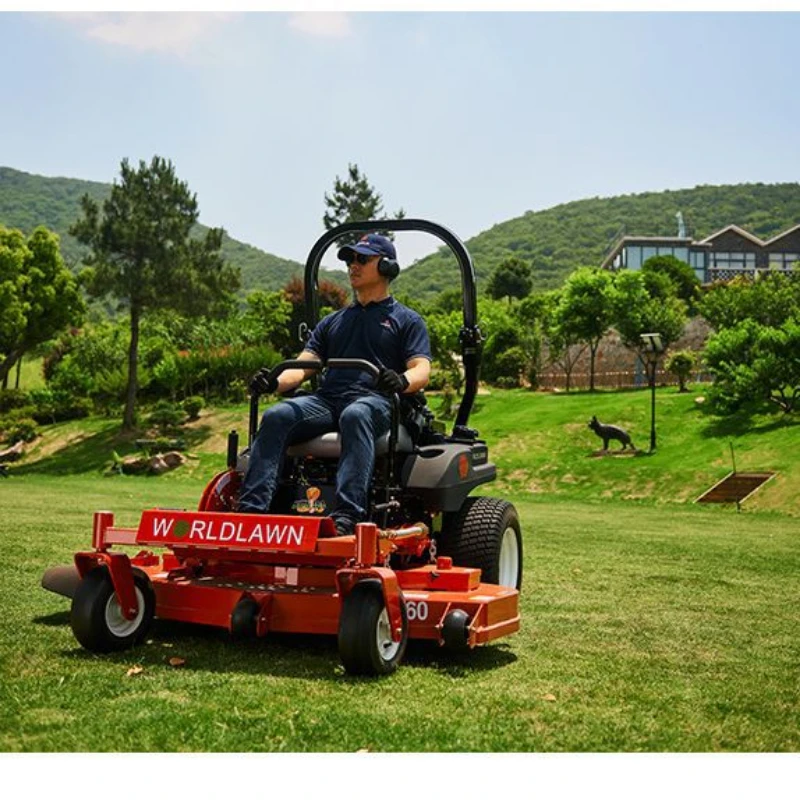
(645, 627)
(540, 443)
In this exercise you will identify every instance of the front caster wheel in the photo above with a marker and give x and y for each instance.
(96, 616)
(365, 637)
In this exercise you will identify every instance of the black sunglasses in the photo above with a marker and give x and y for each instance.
(361, 258)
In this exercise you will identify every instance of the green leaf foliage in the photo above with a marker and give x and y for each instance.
(770, 300)
(686, 284)
(141, 253)
(638, 310)
(39, 296)
(755, 363)
(681, 363)
(354, 200)
(512, 278)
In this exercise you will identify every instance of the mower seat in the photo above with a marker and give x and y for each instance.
(328, 445)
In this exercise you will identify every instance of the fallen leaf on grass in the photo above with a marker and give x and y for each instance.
(134, 671)
(177, 662)
(551, 698)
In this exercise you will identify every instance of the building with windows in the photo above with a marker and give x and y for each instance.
(725, 254)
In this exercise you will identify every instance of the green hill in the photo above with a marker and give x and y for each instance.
(581, 233)
(30, 200)
(555, 241)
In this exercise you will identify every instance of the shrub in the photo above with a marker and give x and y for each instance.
(438, 381)
(532, 374)
(498, 345)
(20, 430)
(506, 382)
(166, 416)
(192, 406)
(681, 364)
(163, 445)
(508, 366)
(56, 405)
(13, 398)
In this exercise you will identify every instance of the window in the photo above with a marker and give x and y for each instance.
(783, 260)
(723, 260)
(633, 257)
(681, 253)
(698, 260)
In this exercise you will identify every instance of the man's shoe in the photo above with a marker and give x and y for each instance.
(344, 527)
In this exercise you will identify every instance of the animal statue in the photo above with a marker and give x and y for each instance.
(609, 432)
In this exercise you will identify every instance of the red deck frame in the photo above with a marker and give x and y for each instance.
(295, 569)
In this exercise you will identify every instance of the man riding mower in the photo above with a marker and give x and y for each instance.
(406, 551)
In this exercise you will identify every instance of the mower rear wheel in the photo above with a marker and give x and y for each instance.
(365, 636)
(485, 533)
(96, 616)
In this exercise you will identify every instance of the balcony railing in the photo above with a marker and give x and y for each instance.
(726, 273)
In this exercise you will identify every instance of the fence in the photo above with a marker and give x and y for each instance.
(620, 379)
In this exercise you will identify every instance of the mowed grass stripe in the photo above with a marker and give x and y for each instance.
(644, 628)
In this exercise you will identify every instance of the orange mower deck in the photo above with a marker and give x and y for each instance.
(271, 573)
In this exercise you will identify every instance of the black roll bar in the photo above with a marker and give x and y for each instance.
(470, 335)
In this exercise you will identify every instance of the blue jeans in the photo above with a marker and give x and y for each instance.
(360, 421)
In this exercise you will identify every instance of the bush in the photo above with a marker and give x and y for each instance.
(447, 408)
(161, 445)
(13, 398)
(20, 430)
(681, 364)
(192, 406)
(493, 363)
(55, 405)
(508, 367)
(166, 416)
(505, 382)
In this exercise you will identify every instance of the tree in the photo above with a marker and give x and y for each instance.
(564, 350)
(686, 284)
(636, 311)
(143, 255)
(585, 310)
(751, 361)
(512, 278)
(269, 314)
(770, 300)
(531, 315)
(681, 364)
(354, 200)
(39, 296)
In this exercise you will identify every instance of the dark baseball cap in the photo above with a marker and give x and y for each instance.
(373, 244)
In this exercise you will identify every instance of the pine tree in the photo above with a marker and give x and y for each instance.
(354, 200)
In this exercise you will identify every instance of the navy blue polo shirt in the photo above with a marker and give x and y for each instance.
(386, 333)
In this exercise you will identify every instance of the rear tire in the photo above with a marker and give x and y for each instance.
(485, 533)
(96, 616)
(365, 642)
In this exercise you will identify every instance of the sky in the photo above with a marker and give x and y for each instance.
(465, 118)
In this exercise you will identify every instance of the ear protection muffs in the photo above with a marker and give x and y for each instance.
(389, 268)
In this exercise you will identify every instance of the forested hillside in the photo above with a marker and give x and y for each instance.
(555, 241)
(30, 200)
(581, 233)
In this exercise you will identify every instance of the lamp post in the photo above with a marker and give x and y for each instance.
(653, 347)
